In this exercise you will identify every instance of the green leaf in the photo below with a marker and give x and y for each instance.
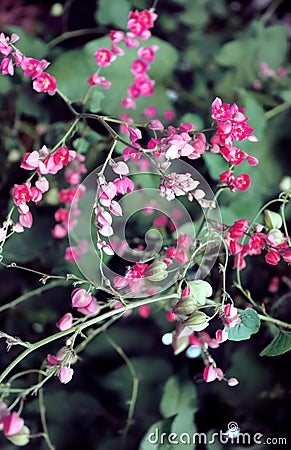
(286, 96)
(94, 104)
(279, 345)
(215, 164)
(195, 119)
(73, 83)
(178, 396)
(113, 12)
(153, 439)
(200, 290)
(250, 324)
(28, 44)
(255, 112)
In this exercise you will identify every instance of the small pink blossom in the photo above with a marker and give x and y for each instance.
(156, 125)
(26, 220)
(92, 309)
(147, 53)
(128, 103)
(33, 67)
(6, 67)
(184, 241)
(66, 374)
(121, 168)
(72, 254)
(124, 185)
(103, 57)
(12, 424)
(30, 161)
(116, 36)
(144, 311)
(95, 80)
(65, 322)
(80, 298)
(232, 382)
(272, 257)
(209, 373)
(45, 83)
(230, 316)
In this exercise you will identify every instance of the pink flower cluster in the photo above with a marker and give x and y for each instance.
(133, 278)
(42, 81)
(107, 192)
(232, 126)
(179, 253)
(179, 143)
(67, 215)
(10, 423)
(139, 24)
(42, 163)
(257, 242)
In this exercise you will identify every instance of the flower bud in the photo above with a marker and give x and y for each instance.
(197, 321)
(157, 271)
(272, 219)
(22, 438)
(185, 306)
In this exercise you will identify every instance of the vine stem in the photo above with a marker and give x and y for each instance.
(264, 316)
(277, 110)
(79, 328)
(135, 386)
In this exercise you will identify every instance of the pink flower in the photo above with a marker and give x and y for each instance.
(128, 103)
(286, 255)
(21, 193)
(5, 48)
(45, 83)
(95, 79)
(221, 336)
(59, 231)
(184, 241)
(33, 67)
(169, 115)
(92, 309)
(211, 373)
(220, 111)
(147, 53)
(30, 161)
(12, 424)
(72, 254)
(103, 57)
(232, 382)
(80, 298)
(116, 36)
(238, 229)
(26, 220)
(66, 374)
(6, 67)
(42, 184)
(131, 153)
(106, 193)
(65, 322)
(144, 311)
(230, 316)
(156, 125)
(242, 182)
(124, 185)
(272, 257)
(134, 134)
